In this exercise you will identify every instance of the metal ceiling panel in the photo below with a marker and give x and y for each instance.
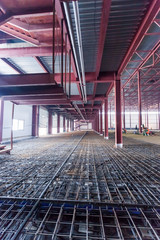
(124, 21)
(28, 64)
(90, 87)
(74, 89)
(90, 19)
(6, 69)
(102, 88)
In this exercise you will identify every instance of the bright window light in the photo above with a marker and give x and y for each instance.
(15, 124)
(18, 125)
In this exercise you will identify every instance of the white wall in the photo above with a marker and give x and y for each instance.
(20, 113)
(43, 121)
(54, 124)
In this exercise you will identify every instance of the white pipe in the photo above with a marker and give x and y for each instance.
(73, 46)
(79, 37)
(79, 111)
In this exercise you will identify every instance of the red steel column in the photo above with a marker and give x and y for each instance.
(49, 122)
(139, 103)
(67, 125)
(35, 121)
(124, 123)
(159, 114)
(110, 117)
(98, 122)
(1, 118)
(64, 124)
(118, 117)
(58, 123)
(106, 118)
(101, 122)
(147, 119)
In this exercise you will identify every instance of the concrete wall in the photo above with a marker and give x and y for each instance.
(23, 113)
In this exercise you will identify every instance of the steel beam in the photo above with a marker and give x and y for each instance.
(139, 102)
(26, 80)
(49, 122)
(58, 123)
(60, 16)
(27, 52)
(106, 119)
(103, 29)
(101, 121)
(124, 125)
(118, 117)
(64, 124)
(35, 121)
(147, 21)
(1, 118)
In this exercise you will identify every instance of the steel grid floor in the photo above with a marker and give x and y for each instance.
(82, 188)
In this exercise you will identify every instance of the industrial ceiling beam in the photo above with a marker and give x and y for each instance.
(27, 52)
(103, 29)
(45, 11)
(60, 16)
(31, 27)
(47, 79)
(31, 91)
(147, 21)
(26, 80)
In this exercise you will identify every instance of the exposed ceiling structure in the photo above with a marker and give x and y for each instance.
(99, 39)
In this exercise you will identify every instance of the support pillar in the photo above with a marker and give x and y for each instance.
(35, 121)
(1, 118)
(139, 103)
(67, 125)
(118, 117)
(110, 117)
(159, 115)
(106, 118)
(101, 122)
(49, 122)
(124, 123)
(130, 120)
(58, 123)
(98, 122)
(64, 124)
(70, 125)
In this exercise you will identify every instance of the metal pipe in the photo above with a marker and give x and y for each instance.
(73, 47)
(79, 38)
(62, 52)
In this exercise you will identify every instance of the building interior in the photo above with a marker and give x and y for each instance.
(80, 119)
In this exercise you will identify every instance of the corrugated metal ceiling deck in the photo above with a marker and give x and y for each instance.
(124, 21)
(90, 19)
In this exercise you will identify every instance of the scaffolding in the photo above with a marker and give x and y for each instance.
(82, 189)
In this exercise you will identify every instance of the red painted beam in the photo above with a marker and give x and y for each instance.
(103, 29)
(118, 117)
(60, 16)
(58, 123)
(35, 121)
(106, 119)
(147, 21)
(1, 118)
(42, 102)
(26, 80)
(27, 52)
(34, 98)
(139, 103)
(31, 27)
(49, 122)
